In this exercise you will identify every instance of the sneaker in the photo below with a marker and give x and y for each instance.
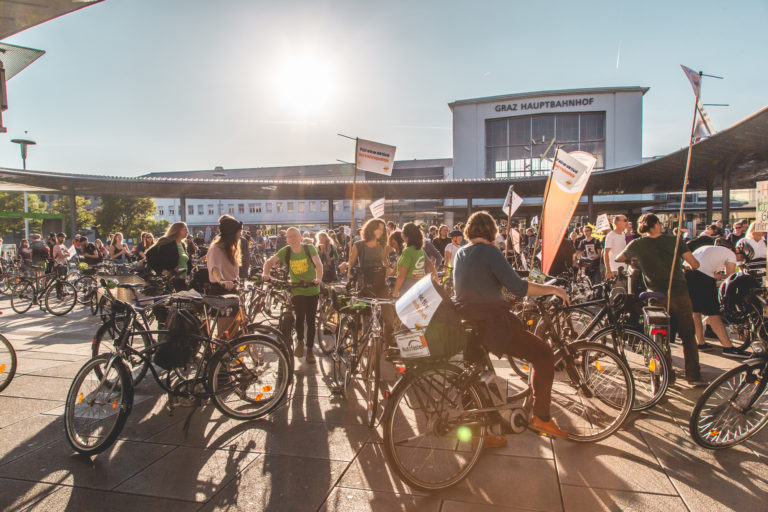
(310, 356)
(735, 352)
(299, 350)
(547, 427)
(706, 346)
(697, 383)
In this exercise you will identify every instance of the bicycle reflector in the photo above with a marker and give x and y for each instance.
(658, 331)
(400, 368)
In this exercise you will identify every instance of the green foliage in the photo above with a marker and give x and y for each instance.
(14, 202)
(128, 215)
(84, 218)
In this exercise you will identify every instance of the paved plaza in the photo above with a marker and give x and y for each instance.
(315, 454)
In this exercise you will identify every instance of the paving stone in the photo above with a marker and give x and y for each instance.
(585, 498)
(75, 498)
(460, 506)
(190, 474)
(320, 408)
(370, 471)
(29, 365)
(18, 495)
(620, 462)
(28, 435)
(43, 388)
(277, 482)
(15, 409)
(207, 429)
(58, 463)
(356, 500)
(62, 370)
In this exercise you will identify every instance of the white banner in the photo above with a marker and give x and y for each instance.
(761, 210)
(418, 304)
(377, 208)
(512, 201)
(535, 220)
(602, 223)
(347, 230)
(375, 157)
(571, 170)
(694, 78)
(72, 252)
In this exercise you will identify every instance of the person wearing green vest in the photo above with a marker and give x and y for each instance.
(304, 265)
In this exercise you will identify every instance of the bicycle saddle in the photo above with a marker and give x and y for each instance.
(222, 301)
(652, 295)
(131, 285)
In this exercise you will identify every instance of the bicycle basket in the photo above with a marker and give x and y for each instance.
(182, 341)
(339, 296)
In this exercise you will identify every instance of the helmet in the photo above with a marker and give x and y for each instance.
(734, 293)
(744, 248)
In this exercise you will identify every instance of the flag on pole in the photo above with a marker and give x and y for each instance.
(535, 220)
(375, 157)
(704, 126)
(512, 202)
(694, 78)
(377, 208)
(761, 206)
(602, 223)
(570, 173)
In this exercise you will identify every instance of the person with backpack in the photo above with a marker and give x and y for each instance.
(304, 266)
(41, 253)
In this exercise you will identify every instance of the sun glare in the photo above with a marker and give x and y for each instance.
(306, 82)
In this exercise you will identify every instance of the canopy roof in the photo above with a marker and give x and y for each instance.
(18, 15)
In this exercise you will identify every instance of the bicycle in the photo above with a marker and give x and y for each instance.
(735, 406)
(332, 298)
(58, 294)
(438, 415)
(7, 361)
(246, 377)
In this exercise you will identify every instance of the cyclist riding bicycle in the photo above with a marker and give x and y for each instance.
(479, 275)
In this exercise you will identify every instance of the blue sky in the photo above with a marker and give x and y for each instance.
(132, 86)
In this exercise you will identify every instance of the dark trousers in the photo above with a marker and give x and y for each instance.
(305, 311)
(681, 322)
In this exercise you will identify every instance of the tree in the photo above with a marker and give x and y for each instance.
(84, 218)
(14, 202)
(128, 215)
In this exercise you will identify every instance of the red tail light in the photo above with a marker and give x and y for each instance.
(657, 331)
(400, 368)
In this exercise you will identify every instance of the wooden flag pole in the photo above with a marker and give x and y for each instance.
(510, 193)
(352, 221)
(540, 227)
(685, 188)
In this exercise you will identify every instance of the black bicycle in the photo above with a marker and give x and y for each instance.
(7, 361)
(52, 292)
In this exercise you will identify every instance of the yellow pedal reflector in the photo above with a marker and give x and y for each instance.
(2, 368)
(530, 322)
(259, 396)
(266, 389)
(652, 364)
(714, 433)
(598, 366)
(80, 398)
(114, 404)
(242, 348)
(525, 367)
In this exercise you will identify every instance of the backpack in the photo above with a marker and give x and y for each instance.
(290, 253)
(182, 342)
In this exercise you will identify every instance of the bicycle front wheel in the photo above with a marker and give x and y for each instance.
(22, 296)
(97, 407)
(85, 286)
(646, 361)
(431, 439)
(345, 356)
(327, 322)
(7, 362)
(249, 377)
(370, 373)
(60, 298)
(104, 342)
(592, 393)
(733, 408)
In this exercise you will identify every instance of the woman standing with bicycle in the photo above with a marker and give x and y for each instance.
(413, 262)
(118, 250)
(479, 275)
(169, 254)
(329, 255)
(304, 266)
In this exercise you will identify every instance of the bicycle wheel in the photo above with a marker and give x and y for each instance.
(84, 286)
(7, 362)
(23, 296)
(272, 306)
(592, 395)
(646, 361)
(249, 377)
(369, 370)
(327, 321)
(427, 441)
(104, 343)
(60, 298)
(733, 408)
(345, 356)
(97, 407)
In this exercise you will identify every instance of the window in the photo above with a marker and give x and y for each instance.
(323, 206)
(190, 209)
(346, 205)
(279, 207)
(361, 204)
(201, 209)
(251, 208)
(257, 207)
(513, 146)
(211, 211)
(337, 205)
(161, 213)
(240, 208)
(290, 206)
(231, 208)
(312, 206)
(172, 212)
(302, 207)
(269, 207)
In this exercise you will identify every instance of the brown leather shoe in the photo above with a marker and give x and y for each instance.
(494, 441)
(547, 427)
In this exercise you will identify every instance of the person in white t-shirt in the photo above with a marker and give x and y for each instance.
(452, 248)
(757, 240)
(716, 262)
(614, 244)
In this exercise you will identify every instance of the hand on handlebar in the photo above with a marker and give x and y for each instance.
(560, 293)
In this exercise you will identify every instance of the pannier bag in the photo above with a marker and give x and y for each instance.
(181, 343)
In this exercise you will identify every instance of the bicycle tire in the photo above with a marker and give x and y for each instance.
(443, 455)
(84, 286)
(344, 358)
(718, 408)
(370, 373)
(326, 341)
(94, 418)
(66, 297)
(23, 296)
(7, 362)
(235, 393)
(646, 361)
(103, 343)
(600, 401)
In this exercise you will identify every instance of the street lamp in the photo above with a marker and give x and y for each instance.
(24, 143)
